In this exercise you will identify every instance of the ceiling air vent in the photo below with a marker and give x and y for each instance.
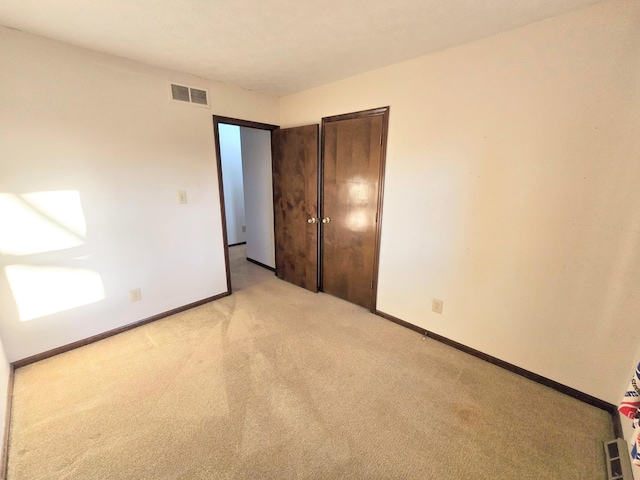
(196, 96)
(199, 96)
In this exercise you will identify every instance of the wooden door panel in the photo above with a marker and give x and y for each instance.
(351, 175)
(295, 193)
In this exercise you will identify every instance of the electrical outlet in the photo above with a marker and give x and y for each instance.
(182, 197)
(244, 228)
(436, 306)
(135, 295)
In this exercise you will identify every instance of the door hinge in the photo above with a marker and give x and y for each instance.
(380, 139)
(372, 285)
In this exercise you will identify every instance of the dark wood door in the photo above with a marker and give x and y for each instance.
(295, 198)
(352, 166)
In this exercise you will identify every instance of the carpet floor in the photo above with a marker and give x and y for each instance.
(275, 382)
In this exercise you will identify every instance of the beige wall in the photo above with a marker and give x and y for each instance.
(231, 161)
(92, 154)
(258, 195)
(512, 192)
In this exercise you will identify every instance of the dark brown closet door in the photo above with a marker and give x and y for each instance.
(351, 175)
(295, 199)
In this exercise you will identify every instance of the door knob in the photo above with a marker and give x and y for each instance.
(326, 220)
(312, 220)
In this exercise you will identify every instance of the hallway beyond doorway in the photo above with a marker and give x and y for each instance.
(245, 274)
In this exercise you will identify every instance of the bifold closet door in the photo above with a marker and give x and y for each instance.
(352, 159)
(295, 198)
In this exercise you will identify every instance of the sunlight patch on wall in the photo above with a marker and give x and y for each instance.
(41, 222)
(40, 291)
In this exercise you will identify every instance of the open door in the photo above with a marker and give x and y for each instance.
(295, 202)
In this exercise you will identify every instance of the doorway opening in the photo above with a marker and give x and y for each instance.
(317, 219)
(243, 150)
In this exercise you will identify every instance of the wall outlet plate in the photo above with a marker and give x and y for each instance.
(436, 305)
(135, 295)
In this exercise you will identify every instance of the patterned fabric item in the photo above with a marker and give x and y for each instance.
(635, 443)
(631, 404)
(630, 407)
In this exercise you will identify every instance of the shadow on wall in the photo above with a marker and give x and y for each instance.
(43, 253)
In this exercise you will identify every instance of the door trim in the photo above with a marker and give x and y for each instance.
(218, 119)
(363, 114)
(384, 112)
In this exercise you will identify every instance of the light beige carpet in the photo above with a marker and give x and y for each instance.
(278, 383)
(245, 274)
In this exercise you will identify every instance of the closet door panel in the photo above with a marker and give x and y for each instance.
(295, 192)
(351, 175)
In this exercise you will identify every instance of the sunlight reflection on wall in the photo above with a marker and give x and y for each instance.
(41, 222)
(40, 291)
(37, 223)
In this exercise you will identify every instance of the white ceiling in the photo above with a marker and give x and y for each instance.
(274, 46)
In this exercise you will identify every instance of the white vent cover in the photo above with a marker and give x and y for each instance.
(195, 96)
(618, 463)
